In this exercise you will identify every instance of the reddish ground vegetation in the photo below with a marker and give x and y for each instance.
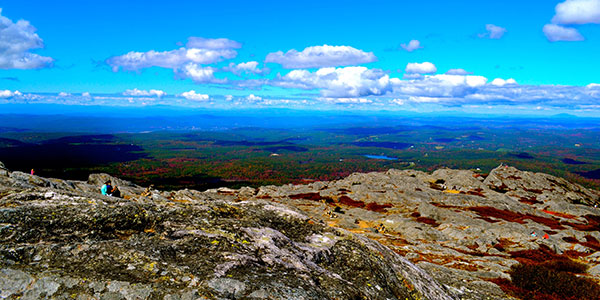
(530, 200)
(570, 239)
(549, 281)
(536, 256)
(592, 225)
(424, 220)
(351, 202)
(307, 196)
(476, 192)
(503, 188)
(503, 244)
(591, 242)
(558, 214)
(543, 274)
(513, 177)
(487, 212)
(378, 207)
(535, 191)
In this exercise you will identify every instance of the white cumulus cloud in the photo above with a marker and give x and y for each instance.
(420, 68)
(136, 92)
(200, 74)
(253, 98)
(192, 95)
(187, 62)
(556, 33)
(577, 12)
(16, 42)
(502, 82)
(204, 43)
(64, 94)
(343, 82)
(321, 56)
(9, 93)
(458, 72)
(246, 67)
(493, 32)
(411, 46)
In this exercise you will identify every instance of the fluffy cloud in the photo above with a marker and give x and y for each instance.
(9, 93)
(185, 61)
(136, 92)
(420, 68)
(321, 56)
(200, 74)
(246, 67)
(253, 98)
(502, 82)
(216, 44)
(577, 12)
(16, 40)
(338, 82)
(192, 95)
(63, 94)
(458, 72)
(556, 33)
(411, 46)
(173, 59)
(493, 32)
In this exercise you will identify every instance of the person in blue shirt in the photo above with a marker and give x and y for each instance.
(107, 188)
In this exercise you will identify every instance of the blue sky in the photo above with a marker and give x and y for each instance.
(469, 56)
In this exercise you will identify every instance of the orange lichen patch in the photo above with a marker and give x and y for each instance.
(333, 223)
(453, 192)
(373, 206)
(558, 214)
(149, 230)
(350, 202)
(363, 224)
(485, 212)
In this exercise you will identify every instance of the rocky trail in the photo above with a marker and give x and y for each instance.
(401, 234)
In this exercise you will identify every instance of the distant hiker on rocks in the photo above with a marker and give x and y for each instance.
(108, 190)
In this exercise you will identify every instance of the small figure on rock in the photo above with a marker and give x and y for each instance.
(148, 191)
(108, 190)
(32, 172)
(381, 228)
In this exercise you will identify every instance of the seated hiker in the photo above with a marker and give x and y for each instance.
(115, 192)
(107, 188)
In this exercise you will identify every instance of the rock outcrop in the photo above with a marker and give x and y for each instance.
(62, 240)
(402, 234)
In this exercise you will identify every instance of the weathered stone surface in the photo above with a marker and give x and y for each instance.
(392, 235)
(61, 241)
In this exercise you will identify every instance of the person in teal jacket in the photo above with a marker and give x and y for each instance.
(106, 188)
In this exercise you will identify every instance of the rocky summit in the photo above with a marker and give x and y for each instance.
(402, 234)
